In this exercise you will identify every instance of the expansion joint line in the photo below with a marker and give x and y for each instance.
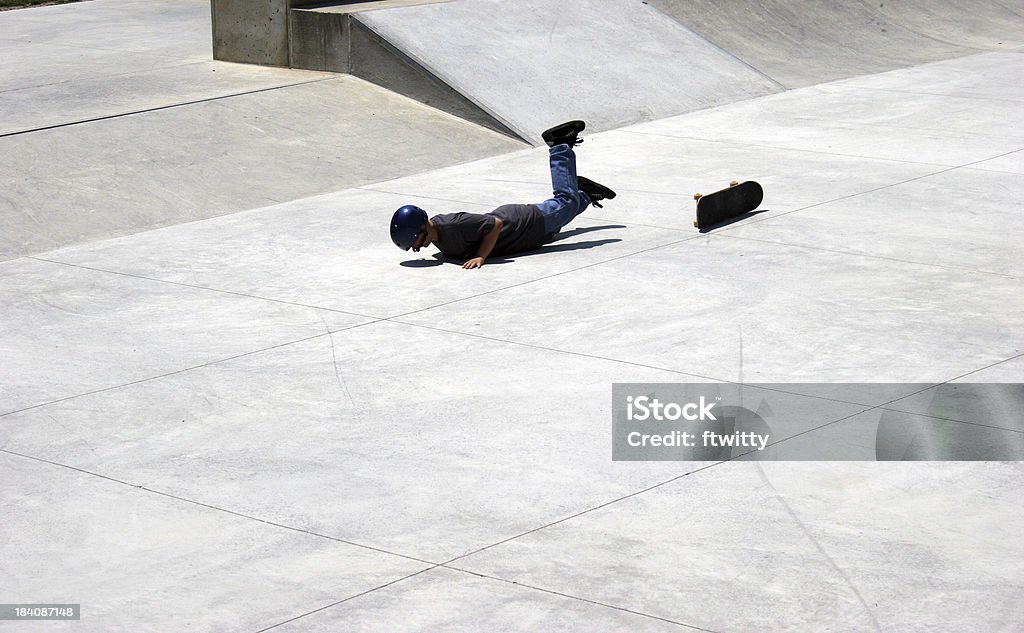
(171, 106)
(241, 515)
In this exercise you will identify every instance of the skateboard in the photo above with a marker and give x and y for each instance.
(736, 199)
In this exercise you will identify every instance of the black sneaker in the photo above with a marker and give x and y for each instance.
(564, 133)
(594, 190)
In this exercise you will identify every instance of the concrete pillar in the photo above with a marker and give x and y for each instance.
(251, 31)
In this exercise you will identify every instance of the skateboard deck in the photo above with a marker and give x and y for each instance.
(736, 199)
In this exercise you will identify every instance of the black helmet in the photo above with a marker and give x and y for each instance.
(405, 226)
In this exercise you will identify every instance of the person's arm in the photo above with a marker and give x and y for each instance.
(486, 246)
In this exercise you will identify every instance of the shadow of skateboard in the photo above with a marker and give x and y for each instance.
(736, 199)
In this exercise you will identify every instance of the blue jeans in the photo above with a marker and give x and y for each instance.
(568, 200)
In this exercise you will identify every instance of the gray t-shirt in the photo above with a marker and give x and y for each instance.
(459, 234)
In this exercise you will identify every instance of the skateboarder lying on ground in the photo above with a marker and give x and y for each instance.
(511, 228)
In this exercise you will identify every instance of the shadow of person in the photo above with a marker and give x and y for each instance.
(553, 246)
(556, 245)
(572, 246)
(584, 229)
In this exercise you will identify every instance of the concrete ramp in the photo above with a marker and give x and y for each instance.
(520, 67)
(534, 63)
(113, 120)
(805, 42)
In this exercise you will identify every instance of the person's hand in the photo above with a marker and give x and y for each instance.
(476, 262)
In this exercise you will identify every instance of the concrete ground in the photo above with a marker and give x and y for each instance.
(274, 419)
(114, 119)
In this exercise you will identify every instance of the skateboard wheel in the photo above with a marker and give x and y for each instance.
(696, 196)
(733, 183)
(695, 225)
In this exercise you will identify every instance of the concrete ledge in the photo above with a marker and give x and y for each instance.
(250, 32)
(320, 40)
(266, 32)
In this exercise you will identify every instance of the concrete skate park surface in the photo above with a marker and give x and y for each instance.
(274, 419)
(115, 119)
(614, 62)
(805, 42)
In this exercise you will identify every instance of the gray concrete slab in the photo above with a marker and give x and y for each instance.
(922, 122)
(70, 330)
(102, 58)
(164, 28)
(1008, 371)
(528, 66)
(316, 447)
(790, 547)
(63, 64)
(62, 102)
(127, 174)
(724, 308)
(989, 75)
(805, 42)
(1012, 163)
(447, 600)
(140, 561)
(959, 219)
